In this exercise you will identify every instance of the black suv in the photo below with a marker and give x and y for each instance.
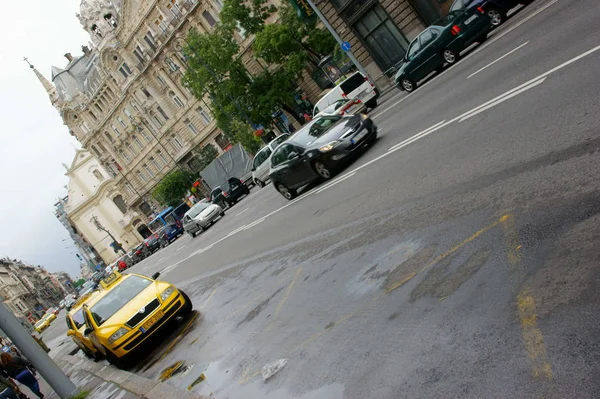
(236, 189)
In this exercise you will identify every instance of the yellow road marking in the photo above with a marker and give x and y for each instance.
(284, 299)
(478, 233)
(178, 338)
(532, 335)
(511, 239)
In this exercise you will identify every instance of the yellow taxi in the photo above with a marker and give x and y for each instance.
(44, 322)
(77, 326)
(130, 309)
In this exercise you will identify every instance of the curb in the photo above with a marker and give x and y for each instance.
(141, 386)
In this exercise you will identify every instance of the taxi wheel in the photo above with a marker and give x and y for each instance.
(187, 306)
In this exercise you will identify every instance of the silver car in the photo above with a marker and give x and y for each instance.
(261, 161)
(200, 216)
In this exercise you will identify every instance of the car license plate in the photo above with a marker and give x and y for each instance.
(470, 19)
(359, 137)
(151, 321)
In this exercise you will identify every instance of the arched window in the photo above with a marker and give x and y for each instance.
(120, 203)
(176, 99)
(96, 151)
(111, 20)
(98, 175)
(109, 137)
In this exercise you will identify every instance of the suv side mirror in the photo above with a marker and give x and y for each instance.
(155, 275)
(88, 331)
(253, 169)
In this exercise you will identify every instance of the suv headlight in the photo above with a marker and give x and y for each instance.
(330, 146)
(117, 334)
(167, 293)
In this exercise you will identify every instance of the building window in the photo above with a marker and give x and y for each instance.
(206, 117)
(146, 93)
(149, 39)
(146, 136)
(158, 121)
(162, 157)
(128, 114)
(222, 141)
(138, 142)
(112, 170)
(382, 37)
(121, 121)
(163, 113)
(98, 175)
(125, 157)
(96, 151)
(209, 18)
(132, 149)
(191, 126)
(120, 203)
(102, 147)
(138, 54)
(160, 80)
(142, 176)
(176, 99)
(109, 137)
(114, 128)
(148, 170)
(172, 65)
(176, 142)
(125, 70)
(129, 189)
(154, 163)
(219, 4)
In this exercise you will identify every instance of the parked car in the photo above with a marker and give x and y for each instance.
(152, 243)
(218, 198)
(44, 322)
(442, 43)
(495, 9)
(318, 149)
(197, 219)
(140, 252)
(56, 311)
(170, 233)
(236, 190)
(344, 106)
(356, 85)
(262, 161)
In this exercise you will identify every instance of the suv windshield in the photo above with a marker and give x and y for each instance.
(118, 297)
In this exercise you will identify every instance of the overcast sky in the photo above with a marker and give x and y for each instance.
(33, 140)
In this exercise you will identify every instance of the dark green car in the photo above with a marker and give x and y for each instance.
(442, 43)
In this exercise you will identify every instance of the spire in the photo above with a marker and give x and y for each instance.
(50, 89)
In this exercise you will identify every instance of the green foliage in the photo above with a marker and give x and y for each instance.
(206, 155)
(239, 132)
(172, 187)
(249, 15)
(80, 395)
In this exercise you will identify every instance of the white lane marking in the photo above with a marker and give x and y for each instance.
(523, 89)
(238, 214)
(336, 181)
(498, 59)
(254, 223)
(416, 135)
(181, 247)
(159, 259)
(236, 230)
(506, 32)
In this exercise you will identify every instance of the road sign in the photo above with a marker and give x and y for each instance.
(346, 46)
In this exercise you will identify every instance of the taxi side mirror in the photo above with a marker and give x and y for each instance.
(70, 333)
(88, 331)
(155, 275)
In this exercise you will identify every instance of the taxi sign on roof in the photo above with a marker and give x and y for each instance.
(110, 280)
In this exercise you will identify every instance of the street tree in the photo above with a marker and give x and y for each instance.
(173, 187)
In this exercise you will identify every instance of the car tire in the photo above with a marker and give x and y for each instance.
(482, 39)
(200, 230)
(193, 235)
(497, 16)
(288, 193)
(222, 213)
(188, 306)
(120, 363)
(259, 183)
(371, 103)
(322, 170)
(408, 85)
(450, 57)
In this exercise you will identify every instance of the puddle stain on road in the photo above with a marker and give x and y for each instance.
(176, 368)
(259, 308)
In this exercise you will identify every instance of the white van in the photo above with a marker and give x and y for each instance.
(357, 86)
(261, 162)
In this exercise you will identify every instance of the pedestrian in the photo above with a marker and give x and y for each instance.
(8, 390)
(18, 368)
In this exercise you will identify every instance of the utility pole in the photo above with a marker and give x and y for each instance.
(57, 379)
(104, 229)
(336, 37)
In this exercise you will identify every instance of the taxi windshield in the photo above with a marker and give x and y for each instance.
(118, 297)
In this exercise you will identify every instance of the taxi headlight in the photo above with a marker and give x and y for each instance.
(117, 334)
(167, 293)
(330, 146)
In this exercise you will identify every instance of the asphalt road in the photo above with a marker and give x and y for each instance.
(456, 258)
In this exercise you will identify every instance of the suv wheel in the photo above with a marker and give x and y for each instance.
(259, 183)
(496, 15)
(288, 193)
(408, 85)
(322, 170)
